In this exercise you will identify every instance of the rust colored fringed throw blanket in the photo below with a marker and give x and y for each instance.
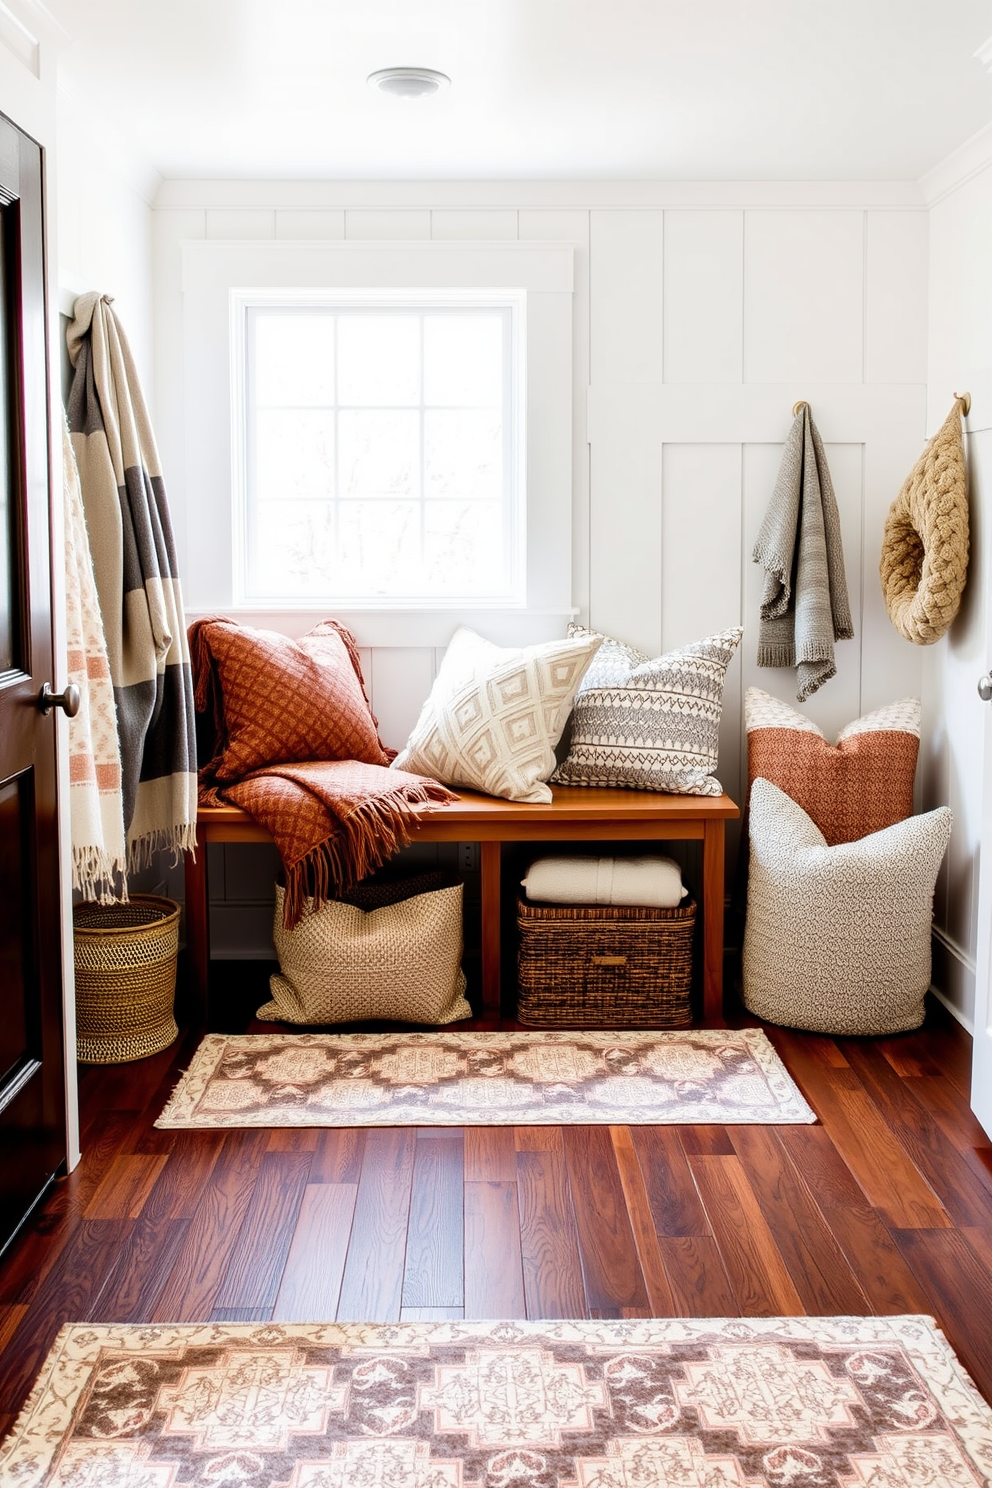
(297, 747)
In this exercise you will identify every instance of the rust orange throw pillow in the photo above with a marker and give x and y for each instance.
(278, 701)
(861, 784)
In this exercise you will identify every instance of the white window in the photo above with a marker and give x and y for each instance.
(381, 441)
(379, 431)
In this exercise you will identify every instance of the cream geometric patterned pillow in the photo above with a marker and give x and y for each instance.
(837, 939)
(650, 723)
(495, 714)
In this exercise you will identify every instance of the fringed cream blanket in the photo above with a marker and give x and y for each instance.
(137, 580)
(95, 802)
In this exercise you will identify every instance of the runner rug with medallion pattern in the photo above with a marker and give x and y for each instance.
(485, 1079)
(646, 1403)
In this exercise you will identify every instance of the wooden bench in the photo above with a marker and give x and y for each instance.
(576, 814)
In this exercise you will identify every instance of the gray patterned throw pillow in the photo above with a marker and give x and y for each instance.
(650, 723)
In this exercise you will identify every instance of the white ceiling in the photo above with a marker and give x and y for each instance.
(541, 89)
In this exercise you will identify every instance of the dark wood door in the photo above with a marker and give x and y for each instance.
(32, 1085)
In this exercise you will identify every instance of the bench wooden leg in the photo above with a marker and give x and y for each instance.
(713, 855)
(491, 989)
(198, 931)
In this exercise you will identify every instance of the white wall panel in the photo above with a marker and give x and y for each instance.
(314, 223)
(400, 680)
(704, 296)
(803, 296)
(700, 541)
(230, 224)
(625, 333)
(482, 225)
(573, 227)
(625, 525)
(897, 253)
(401, 225)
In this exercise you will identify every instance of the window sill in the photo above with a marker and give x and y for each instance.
(395, 628)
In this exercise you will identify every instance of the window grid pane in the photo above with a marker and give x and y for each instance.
(379, 453)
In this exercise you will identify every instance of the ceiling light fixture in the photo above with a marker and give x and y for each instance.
(408, 82)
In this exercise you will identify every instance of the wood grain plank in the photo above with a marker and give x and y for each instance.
(69, 1291)
(190, 1158)
(537, 1138)
(431, 1314)
(372, 1286)
(816, 1264)
(293, 1139)
(490, 1155)
(435, 1246)
(338, 1156)
(920, 1134)
(241, 1315)
(191, 1292)
(705, 1141)
(611, 1269)
(311, 1280)
(753, 1261)
(255, 1266)
(494, 1277)
(882, 1166)
(697, 1277)
(662, 1303)
(140, 1271)
(870, 1250)
(548, 1245)
(124, 1187)
(676, 1207)
(957, 1283)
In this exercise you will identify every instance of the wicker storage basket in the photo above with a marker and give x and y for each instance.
(125, 959)
(609, 965)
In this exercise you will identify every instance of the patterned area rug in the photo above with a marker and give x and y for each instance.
(485, 1079)
(763, 1403)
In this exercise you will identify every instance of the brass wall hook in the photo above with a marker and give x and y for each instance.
(801, 404)
(965, 400)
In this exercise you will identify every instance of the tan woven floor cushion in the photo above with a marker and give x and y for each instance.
(838, 938)
(343, 965)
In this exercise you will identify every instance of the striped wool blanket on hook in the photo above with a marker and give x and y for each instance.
(137, 582)
(96, 807)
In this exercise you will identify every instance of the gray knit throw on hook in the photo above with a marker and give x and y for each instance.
(804, 606)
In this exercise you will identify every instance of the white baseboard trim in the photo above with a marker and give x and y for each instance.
(953, 978)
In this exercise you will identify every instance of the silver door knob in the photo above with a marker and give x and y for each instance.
(985, 688)
(68, 701)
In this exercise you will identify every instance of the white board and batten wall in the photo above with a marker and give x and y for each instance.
(701, 313)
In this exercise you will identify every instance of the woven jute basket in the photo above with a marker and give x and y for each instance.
(604, 965)
(125, 959)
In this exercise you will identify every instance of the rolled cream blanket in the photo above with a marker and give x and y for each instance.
(653, 881)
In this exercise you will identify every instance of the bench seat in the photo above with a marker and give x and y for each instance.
(575, 814)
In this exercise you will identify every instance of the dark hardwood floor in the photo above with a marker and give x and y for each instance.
(885, 1206)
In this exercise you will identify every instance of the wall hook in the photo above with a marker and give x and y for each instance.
(965, 400)
(801, 404)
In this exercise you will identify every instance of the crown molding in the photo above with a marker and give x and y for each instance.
(176, 194)
(960, 167)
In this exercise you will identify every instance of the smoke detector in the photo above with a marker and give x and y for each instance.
(408, 82)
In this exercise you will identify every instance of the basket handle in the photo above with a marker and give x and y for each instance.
(608, 960)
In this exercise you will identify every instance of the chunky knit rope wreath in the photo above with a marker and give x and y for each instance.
(925, 542)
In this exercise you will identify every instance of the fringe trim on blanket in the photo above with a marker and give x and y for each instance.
(370, 834)
(174, 840)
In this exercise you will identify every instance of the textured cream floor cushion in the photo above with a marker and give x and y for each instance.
(344, 965)
(837, 938)
(652, 881)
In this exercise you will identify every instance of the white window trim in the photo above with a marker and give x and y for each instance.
(213, 273)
